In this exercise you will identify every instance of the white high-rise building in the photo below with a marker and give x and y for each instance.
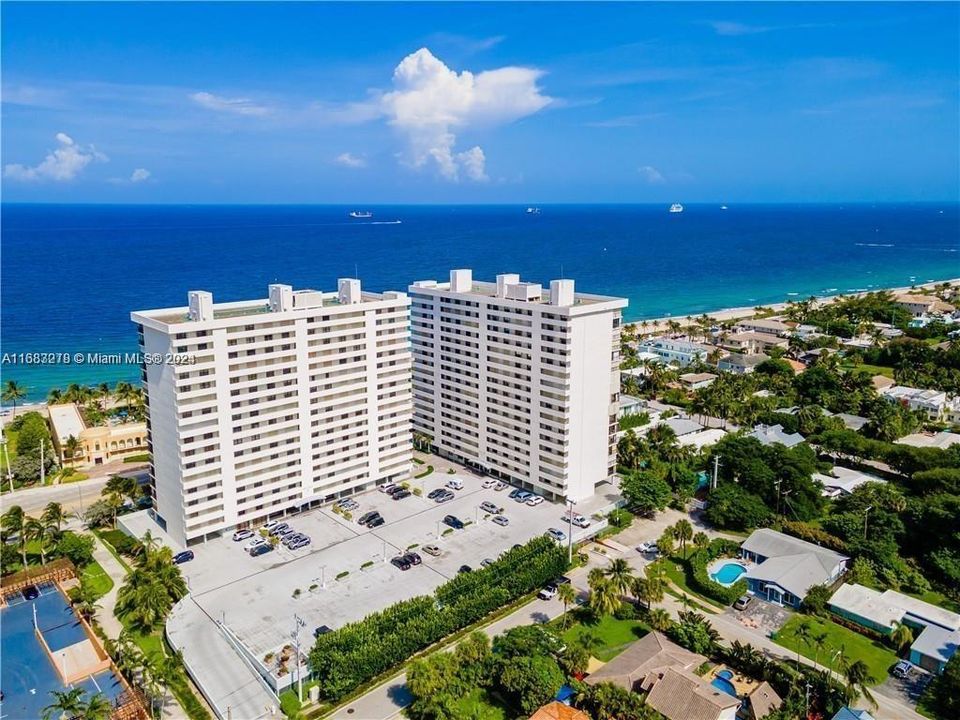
(519, 381)
(260, 407)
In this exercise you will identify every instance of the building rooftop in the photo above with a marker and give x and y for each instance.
(677, 345)
(937, 643)
(845, 480)
(770, 434)
(681, 695)
(692, 378)
(558, 711)
(939, 440)
(793, 564)
(763, 701)
(651, 652)
(744, 360)
(682, 426)
(66, 420)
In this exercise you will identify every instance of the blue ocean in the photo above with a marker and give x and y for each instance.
(71, 274)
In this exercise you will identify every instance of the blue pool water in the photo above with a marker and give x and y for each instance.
(729, 573)
(722, 682)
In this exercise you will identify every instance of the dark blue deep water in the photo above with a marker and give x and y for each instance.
(72, 274)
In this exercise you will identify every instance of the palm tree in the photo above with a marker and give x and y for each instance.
(103, 390)
(12, 393)
(901, 637)
(819, 642)
(53, 516)
(620, 574)
(98, 707)
(659, 619)
(802, 635)
(55, 396)
(648, 590)
(34, 529)
(12, 522)
(70, 447)
(684, 531)
(568, 596)
(588, 641)
(701, 541)
(858, 677)
(68, 703)
(604, 598)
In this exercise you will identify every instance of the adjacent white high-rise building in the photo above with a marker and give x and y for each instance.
(264, 406)
(520, 381)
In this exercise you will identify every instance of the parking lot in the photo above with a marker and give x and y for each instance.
(345, 573)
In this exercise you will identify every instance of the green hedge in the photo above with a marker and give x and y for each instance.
(358, 652)
(699, 579)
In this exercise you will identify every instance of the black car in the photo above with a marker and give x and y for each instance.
(454, 522)
(261, 550)
(465, 569)
(367, 517)
(513, 493)
(401, 562)
(395, 490)
(182, 557)
(413, 558)
(404, 493)
(322, 630)
(376, 522)
(433, 493)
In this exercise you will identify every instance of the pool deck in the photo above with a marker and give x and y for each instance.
(742, 684)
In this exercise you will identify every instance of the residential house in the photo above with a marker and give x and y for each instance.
(804, 331)
(929, 402)
(762, 701)
(918, 305)
(851, 422)
(755, 342)
(558, 711)
(784, 568)
(665, 671)
(846, 713)
(702, 439)
(766, 326)
(695, 381)
(630, 405)
(681, 352)
(741, 363)
(882, 382)
(682, 426)
(843, 481)
(939, 440)
(938, 629)
(770, 434)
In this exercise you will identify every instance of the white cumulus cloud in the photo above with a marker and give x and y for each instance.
(238, 106)
(61, 164)
(139, 175)
(350, 160)
(431, 103)
(651, 175)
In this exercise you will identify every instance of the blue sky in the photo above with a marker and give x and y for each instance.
(354, 103)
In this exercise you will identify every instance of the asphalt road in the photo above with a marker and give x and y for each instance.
(74, 497)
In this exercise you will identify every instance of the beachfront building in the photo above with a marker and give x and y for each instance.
(95, 444)
(765, 326)
(783, 568)
(519, 381)
(936, 631)
(931, 403)
(740, 363)
(274, 404)
(918, 305)
(752, 342)
(674, 351)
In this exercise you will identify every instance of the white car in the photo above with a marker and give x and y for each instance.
(489, 483)
(387, 488)
(581, 521)
(557, 534)
(534, 501)
(500, 486)
(254, 543)
(242, 535)
(648, 547)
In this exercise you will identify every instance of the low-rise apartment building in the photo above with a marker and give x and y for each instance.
(261, 407)
(517, 380)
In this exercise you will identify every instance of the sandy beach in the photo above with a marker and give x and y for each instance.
(658, 325)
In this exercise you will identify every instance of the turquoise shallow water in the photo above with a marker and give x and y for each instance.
(72, 274)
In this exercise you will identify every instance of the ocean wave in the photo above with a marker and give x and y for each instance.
(885, 245)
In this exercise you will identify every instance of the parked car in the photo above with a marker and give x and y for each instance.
(433, 493)
(268, 526)
(489, 507)
(348, 504)
(514, 493)
(455, 484)
(404, 493)
(444, 497)
(182, 557)
(284, 532)
(557, 534)
(534, 500)
(387, 488)
(649, 548)
(488, 483)
(401, 562)
(278, 529)
(395, 490)
(742, 602)
(578, 520)
(487, 562)
(255, 542)
(902, 669)
(547, 592)
(432, 550)
(368, 516)
(261, 549)
(376, 522)
(465, 569)
(413, 558)
(322, 630)
(501, 520)
(242, 535)
(501, 485)
(522, 496)
(292, 538)
(453, 521)
(301, 542)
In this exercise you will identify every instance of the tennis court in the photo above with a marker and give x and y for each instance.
(27, 674)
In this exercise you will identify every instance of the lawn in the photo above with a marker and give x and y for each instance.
(478, 705)
(878, 657)
(96, 578)
(614, 635)
(872, 369)
(678, 576)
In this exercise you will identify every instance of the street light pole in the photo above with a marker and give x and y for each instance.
(570, 532)
(866, 513)
(298, 623)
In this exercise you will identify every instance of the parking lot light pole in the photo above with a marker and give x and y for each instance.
(571, 503)
(298, 623)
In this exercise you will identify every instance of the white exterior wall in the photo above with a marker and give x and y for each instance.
(280, 409)
(526, 389)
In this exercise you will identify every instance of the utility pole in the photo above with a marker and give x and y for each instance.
(716, 471)
(43, 472)
(806, 700)
(777, 483)
(866, 513)
(298, 623)
(570, 532)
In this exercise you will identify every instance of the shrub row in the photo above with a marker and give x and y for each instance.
(360, 651)
(699, 578)
(814, 535)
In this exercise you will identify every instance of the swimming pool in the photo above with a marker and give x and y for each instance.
(722, 682)
(728, 573)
